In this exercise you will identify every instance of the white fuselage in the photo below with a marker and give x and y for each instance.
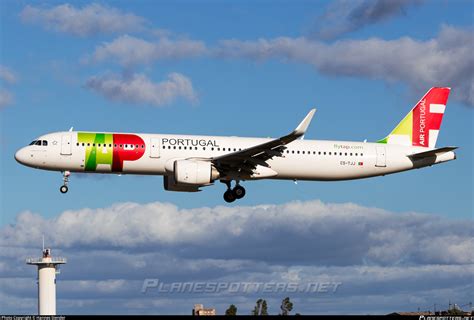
(302, 160)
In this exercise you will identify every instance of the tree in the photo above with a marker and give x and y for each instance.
(260, 308)
(264, 310)
(286, 306)
(231, 311)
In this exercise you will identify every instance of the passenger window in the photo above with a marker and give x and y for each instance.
(324, 152)
(361, 154)
(329, 153)
(351, 154)
(77, 144)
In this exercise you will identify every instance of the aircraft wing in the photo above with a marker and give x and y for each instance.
(245, 161)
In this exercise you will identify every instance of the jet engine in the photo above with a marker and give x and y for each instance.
(194, 172)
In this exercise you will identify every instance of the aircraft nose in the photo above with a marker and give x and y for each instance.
(22, 156)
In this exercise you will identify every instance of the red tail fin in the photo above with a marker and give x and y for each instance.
(421, 125)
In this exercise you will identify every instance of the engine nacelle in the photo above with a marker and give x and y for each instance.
(192, 172)
(170, 185)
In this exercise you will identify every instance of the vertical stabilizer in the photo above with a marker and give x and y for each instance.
(421, 125)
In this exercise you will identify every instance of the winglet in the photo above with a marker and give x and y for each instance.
(303, 126)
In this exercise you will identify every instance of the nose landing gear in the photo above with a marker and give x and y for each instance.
(64, 187)
(238, 192)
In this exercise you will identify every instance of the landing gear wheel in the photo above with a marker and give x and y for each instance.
(229, 196)
(63, 189)
(239, 192)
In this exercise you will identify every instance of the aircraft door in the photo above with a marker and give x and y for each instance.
(381, 157)
(66, 147)
(154, 148)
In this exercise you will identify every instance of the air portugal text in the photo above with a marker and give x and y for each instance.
(189, 142)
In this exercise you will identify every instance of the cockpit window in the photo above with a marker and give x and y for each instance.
(38, 143)
(45, 142)
(33, 142)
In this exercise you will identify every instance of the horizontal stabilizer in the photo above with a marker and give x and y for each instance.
(432, 153)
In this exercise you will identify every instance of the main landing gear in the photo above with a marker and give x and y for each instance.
(64, 187)
(238, 192)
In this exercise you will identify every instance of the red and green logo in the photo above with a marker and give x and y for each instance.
(110, 149)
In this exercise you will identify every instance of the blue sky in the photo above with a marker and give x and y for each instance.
(251, 69)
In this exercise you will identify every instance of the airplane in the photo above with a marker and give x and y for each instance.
(189, 162)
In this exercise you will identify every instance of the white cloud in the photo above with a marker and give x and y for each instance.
(385, 261)
(90, 20)
(6, 98)
(369, 234)
(344, 16)
(443, 61)
(128, 50)
(139, 89)
(7, 77)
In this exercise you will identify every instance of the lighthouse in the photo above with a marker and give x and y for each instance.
(47, 270)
